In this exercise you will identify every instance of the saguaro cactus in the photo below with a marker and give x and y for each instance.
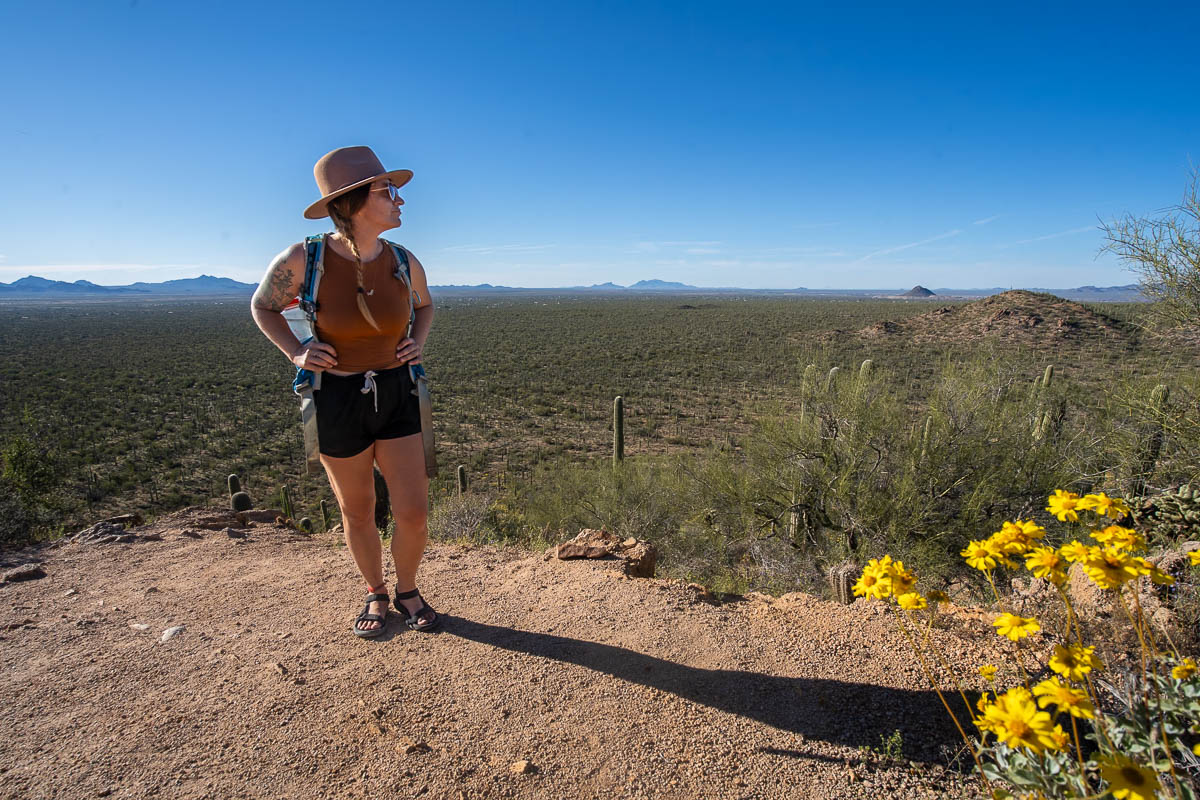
(829, 379)
(1152, 438)
(235, 485)
(618, 453)
(325, 515)
(305, 525)
(285, 497)
(462, 479)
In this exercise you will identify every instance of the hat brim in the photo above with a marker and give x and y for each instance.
(320, 209)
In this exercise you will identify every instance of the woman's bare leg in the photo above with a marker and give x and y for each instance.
(402, 462)
(353, 485)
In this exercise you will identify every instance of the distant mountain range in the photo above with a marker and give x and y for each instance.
(33, 287)
(206, 285)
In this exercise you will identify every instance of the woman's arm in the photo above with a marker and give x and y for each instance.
(279, 286)
(409, 350)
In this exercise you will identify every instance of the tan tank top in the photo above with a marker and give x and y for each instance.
(359, 346)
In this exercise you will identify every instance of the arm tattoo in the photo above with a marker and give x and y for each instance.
(273, 294)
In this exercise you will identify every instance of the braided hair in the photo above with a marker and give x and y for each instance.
(341, 210)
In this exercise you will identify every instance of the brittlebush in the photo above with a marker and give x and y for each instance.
(1029, 738)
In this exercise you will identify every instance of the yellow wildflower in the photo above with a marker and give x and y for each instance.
(1128, 779)
(980, 556)
(1032, 529)
(1015, 627)
(1157, 576)
(911, 601)
(1041, 561)
(1110, 568)
(1075, 661)
(1104, 506)
(1194, 558)
(1075, 551)
(988, 671)
(1120, 538)
(872, 582)
(1062, 505)
(1185, 670)
(1016, 720)
(1054, 692)
(1196, 748)
(901, 580)
(1059, 739)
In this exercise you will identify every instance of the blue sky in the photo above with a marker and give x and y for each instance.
(752, 144)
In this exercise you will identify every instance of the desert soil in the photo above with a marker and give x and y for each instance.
(608, 686)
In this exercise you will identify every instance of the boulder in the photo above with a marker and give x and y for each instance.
(639, 556)
(589, 543)
(25, 572)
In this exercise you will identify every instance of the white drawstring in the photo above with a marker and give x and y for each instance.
(369, 386)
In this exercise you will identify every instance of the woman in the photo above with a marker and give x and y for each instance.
(367, 412)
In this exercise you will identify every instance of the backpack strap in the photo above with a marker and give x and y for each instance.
(403, 274)
(314, 268)
(306, 380)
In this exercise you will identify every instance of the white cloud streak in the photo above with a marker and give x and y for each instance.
(986, 220)
(1051, 236)
(909, 246)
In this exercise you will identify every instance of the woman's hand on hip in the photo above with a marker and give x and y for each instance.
(315, 356)
(408, 351)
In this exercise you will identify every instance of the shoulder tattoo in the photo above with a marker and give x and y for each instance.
(274, 293)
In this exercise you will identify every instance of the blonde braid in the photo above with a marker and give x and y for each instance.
(340, 210)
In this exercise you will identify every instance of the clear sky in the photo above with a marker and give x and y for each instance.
(561, 143)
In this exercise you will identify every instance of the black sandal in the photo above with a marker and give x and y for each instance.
(367, 616)
(414, 621)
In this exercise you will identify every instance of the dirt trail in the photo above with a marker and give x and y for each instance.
(609, 686)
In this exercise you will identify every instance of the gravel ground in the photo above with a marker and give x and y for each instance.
(548, 679)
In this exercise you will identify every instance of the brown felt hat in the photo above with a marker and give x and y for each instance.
(348, 168)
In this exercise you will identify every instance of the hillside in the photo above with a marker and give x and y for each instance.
(1016, 317)
(607, 685)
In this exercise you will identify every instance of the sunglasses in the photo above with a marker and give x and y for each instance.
(392, 190)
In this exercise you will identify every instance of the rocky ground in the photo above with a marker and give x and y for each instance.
(548, 679)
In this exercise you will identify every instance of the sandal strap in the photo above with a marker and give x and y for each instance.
(378, 597)
(407, 595)
(368, 618)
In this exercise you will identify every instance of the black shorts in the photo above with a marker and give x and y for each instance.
(349, 420)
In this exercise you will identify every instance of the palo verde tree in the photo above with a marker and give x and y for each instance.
(1164, 251)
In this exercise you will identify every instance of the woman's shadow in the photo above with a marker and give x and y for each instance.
(841, 712)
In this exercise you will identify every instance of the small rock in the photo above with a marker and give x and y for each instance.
(280, 668)
(141, 626)
(191, 534)
(234, 533)
(522, 767)
(171, 633)
(151, 537)
(640, 560)
(70, 592)
(100, 532)
(409, 746)
(25, 572)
